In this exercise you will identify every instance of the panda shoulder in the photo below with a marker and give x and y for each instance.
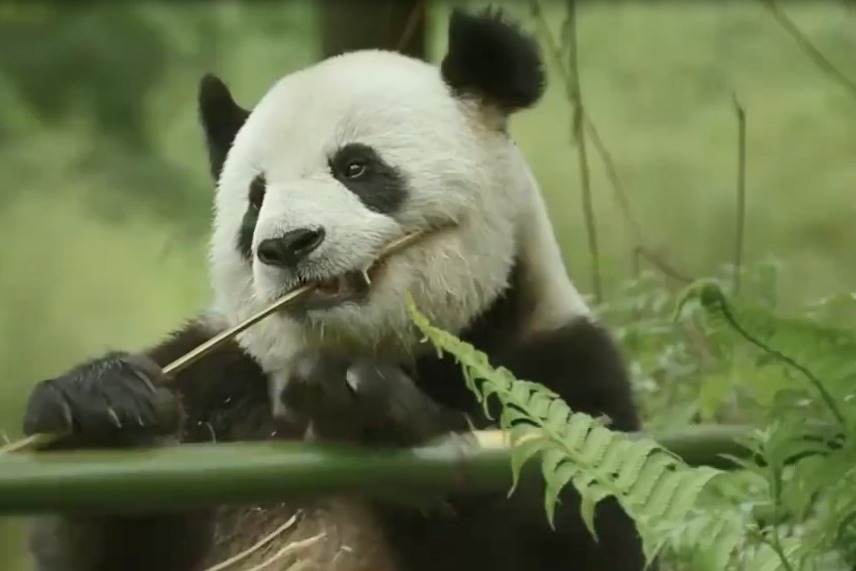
(582, 361)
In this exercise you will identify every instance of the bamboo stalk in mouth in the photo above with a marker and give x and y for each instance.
(191, 357)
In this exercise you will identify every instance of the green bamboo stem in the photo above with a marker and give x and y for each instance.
(209, 474)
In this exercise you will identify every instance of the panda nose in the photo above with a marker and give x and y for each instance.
(289, 249)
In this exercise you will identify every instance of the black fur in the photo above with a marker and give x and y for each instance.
(221, 120)
(579, 361)
(381, 187)
(257, 191)
(228, 384)
(488, 57)
(213, 393)
(491, 58)
(225, 398)
(365, 402)
(135, 409)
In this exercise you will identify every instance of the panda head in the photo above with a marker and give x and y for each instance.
(339, 159)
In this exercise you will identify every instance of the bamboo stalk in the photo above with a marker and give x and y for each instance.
(196, 475)
(293, 296)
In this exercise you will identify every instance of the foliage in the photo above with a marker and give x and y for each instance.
(791, 508)
(672, 141)
(806, 455)
(655, 487)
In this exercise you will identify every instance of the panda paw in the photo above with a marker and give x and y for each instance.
(363, 401)
(114, 401)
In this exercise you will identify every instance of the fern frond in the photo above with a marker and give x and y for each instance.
(723, 538)
(807, 449)
(821, 355)
(655, 487)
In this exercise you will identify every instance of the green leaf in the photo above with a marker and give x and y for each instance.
(556, 481)
(528, 442)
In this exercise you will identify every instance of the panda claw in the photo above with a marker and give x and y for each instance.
(361, 400)
(109, 401)
(352, 380)
(114, 418)
(67, 414)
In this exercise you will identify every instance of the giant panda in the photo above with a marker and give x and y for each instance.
(335, 161)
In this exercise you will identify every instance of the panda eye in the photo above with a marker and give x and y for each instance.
(355, 163)
(355, 169)
(257, 192)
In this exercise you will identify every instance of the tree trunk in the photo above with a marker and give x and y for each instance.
(348, 25)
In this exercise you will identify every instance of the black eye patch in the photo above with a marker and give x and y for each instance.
(256, 195)
(381, 187)
(257, 192)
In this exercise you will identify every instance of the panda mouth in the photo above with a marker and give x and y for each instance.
(330, 292)
(347, 287)
(353, 286)
(336, 287)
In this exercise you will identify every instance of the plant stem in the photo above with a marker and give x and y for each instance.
(574, 95)
(195, 475)
(741, 192)
(821, 61)
(633, 225)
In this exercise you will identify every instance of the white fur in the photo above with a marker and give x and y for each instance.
(459, 168)
(558, 300)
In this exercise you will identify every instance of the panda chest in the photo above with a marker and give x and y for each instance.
(324, 535)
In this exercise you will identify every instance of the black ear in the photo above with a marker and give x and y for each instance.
(491, 58)
(221, 119)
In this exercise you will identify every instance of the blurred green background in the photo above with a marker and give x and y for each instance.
(105, 195)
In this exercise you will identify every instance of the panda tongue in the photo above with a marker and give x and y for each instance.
(351, 283)
(331, 287)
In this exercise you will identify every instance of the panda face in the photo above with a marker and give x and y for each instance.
(338, 160)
